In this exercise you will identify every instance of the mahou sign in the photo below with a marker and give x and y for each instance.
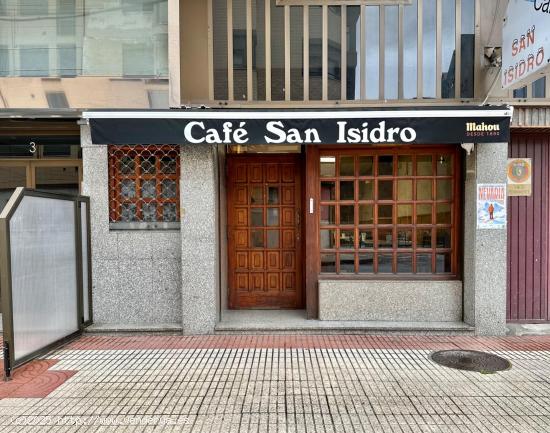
(525, 42)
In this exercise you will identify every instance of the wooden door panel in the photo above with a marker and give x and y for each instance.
(264, 248)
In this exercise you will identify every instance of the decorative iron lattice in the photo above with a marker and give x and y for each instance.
(144, 183)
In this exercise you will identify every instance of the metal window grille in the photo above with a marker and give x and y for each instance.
(144, 183)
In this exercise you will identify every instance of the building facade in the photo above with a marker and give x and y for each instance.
(326, 205)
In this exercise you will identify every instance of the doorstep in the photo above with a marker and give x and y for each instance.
(98, 328)
(294, 321)
(521, 329)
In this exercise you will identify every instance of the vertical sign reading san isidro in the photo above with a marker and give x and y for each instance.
(491, 206)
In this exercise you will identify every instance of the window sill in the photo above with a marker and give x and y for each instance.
(145, 226)
(391, 277)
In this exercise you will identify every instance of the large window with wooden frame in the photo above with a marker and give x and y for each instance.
(144, 186)
(389, 211)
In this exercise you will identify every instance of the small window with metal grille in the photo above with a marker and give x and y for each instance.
(144, 186)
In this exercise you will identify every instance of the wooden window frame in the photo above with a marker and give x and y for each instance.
(454, 250)
(116, 153)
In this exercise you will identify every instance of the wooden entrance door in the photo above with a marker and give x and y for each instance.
(264, 231)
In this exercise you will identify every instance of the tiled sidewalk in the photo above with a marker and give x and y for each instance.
(277, 384)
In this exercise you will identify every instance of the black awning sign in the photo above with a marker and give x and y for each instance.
(295, 127)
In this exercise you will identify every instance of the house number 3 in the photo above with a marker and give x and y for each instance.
(32, 148)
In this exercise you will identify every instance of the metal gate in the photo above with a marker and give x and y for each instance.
(528, 234)
(45, 273)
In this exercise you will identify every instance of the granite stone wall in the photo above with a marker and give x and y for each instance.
(136, 273)
(485, 251)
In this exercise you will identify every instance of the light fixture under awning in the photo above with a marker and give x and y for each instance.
(347, 127)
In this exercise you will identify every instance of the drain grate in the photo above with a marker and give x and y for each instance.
(471, 360)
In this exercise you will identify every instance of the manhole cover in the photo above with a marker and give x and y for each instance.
(471, 360)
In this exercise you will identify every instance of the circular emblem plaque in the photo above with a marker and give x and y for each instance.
(518, 171)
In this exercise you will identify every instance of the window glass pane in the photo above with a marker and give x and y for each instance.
(334, 19)
(273, 195)
(239, 50)
(423, 238)
(328, 239)
(219, 32)
(385, 165)
(448, 60)
(366, 214)
(404, 263)
(347, 263)
(353, 35)
(444, 165)
(404, 238)
(257, 238)
(258, 50)
(347, 166)
(385, 190)
(328, 166)
(347, 239)
(347, 190)
(384, 263)
(539, 88)
(443, 238)
(385, 214)
(423, 214)
(467, 49)
(404, 190)
(404, 214)
(423, 263)
(424, 189)
(328, 215)
(520, 93)
(424, 165)
(296, 53)
(328, 262)
(315, 52)
(366, 262)
(429, 49)
(256, 195)
(366, 239)
(372, 43)
(385, 238)
(256, 217)
(391, 52)
(444, 189)
(366, 189)
(443, 213)
(328, 191)
(366, 166)
(404, 165)
(148, 188)
(277, 52)
(443, 263)
(273, 239)
(346, 215)
(410, 46)
(168, 189)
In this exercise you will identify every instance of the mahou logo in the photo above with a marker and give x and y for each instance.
(477, 129)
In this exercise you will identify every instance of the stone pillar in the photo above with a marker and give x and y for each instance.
(199, 238)
(485, 251)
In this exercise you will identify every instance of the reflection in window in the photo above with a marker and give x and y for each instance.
(429, 49)
(372, 51)
(315, 52)
(391, 57)
(539, 88)
(277, 52)
(126, 38)
(467, 45)
(219, 34)
(410, 45)
(239, 50)
(334, 52)
(448, 49)
(296, 53)
(521, 92)
(353, 35)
